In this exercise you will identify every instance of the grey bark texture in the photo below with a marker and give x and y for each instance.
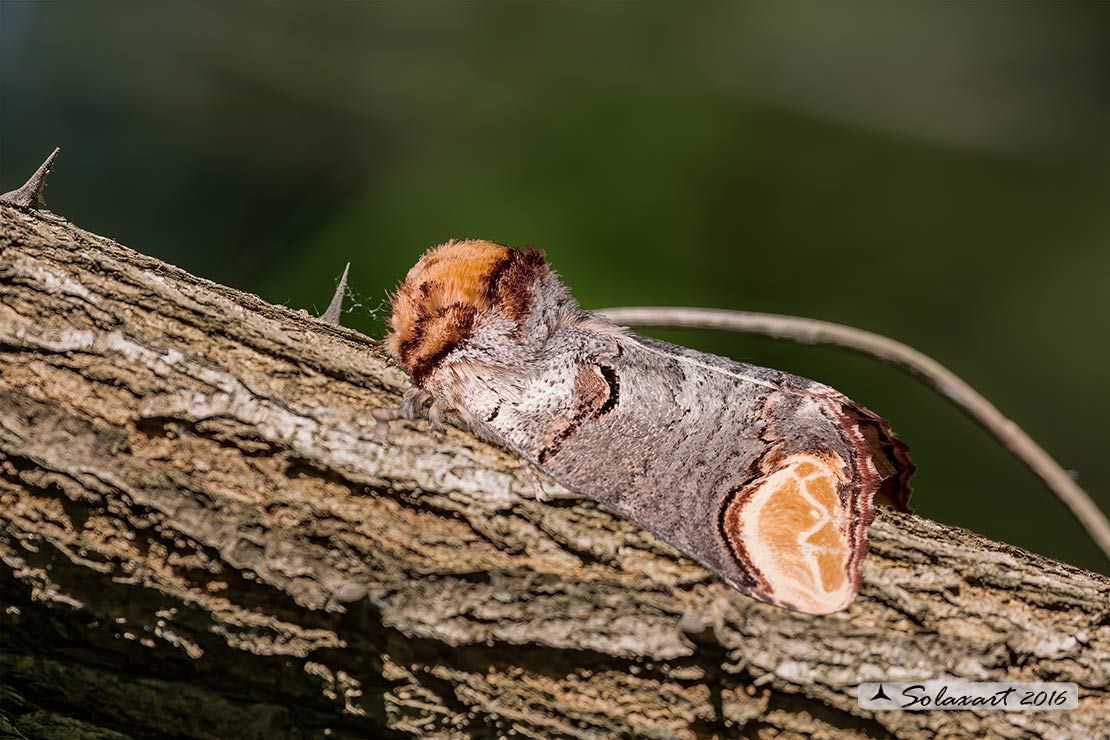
(200, 539)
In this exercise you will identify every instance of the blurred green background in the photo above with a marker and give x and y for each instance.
(936, 172)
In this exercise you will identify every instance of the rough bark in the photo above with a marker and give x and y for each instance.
(200, 539)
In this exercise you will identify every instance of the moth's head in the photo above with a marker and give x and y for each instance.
(451, 291)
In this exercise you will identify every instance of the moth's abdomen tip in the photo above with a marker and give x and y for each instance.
(798, 532)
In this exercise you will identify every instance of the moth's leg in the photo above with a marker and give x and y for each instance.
(381, 428)
(537, 485)
(412, 402)
(435, 418)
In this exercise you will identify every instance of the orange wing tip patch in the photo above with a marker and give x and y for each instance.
(794, 532)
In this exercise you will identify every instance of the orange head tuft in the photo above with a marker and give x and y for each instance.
(448, 291)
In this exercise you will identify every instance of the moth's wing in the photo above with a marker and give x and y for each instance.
(801, 523)
(764, 477)
(890, 455)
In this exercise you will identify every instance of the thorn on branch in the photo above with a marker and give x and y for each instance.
(30, 194)
(335, 308)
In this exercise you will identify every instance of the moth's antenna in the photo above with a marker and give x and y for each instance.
(902, 356)
(331, 313)
(30, 194)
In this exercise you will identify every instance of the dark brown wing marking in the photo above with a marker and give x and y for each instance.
(596, 393)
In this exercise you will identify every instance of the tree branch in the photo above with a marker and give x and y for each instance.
(199, 538)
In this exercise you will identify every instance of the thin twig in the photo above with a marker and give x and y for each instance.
(924, 368)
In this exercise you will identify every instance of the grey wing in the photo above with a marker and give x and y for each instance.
(763, 477)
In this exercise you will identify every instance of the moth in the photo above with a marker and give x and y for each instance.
(765, 478)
